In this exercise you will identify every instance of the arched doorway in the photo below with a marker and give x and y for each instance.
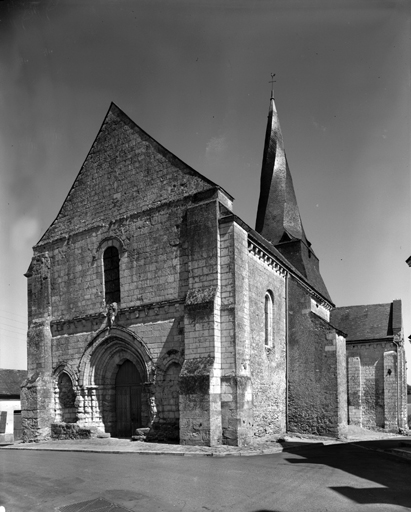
(128, 399)
(99, 373)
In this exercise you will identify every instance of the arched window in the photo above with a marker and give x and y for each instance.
(111, 260)
(268, 319)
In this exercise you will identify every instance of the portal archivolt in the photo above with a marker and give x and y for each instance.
(115, 375)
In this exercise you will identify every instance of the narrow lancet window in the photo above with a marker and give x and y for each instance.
(268, 317)
(111, 261)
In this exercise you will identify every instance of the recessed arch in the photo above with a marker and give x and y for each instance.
(111, 241)
(66, 398)
(64, 366)
(99, 367)
(110, 347)
(167, 392)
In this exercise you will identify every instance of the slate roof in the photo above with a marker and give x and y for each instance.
(369, 322)
(277, 211)
(278, 215)
(10, 382)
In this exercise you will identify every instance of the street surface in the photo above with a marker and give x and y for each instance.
(334, 478)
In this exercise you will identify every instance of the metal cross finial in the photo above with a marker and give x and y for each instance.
(272, 82)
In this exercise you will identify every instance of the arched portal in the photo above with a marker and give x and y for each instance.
(128, 386)
(115, 377)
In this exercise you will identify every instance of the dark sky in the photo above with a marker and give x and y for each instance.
(194, 75)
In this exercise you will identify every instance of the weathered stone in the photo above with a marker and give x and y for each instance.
(69, 431)
(375, 365)
(156, 314)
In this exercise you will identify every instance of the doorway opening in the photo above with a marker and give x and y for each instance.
(128, 399)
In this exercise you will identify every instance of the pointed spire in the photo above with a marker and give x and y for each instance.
(278, 216)
(278, 212)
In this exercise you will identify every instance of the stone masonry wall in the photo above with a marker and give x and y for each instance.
(153, 263)
(133, 194)
(402, 385)
(375, 385)
(317, 389)
(354, 389)
(161, 326)
(153, 280)
(126, 172)
(268, 363)
(236, 387)
(200, 378)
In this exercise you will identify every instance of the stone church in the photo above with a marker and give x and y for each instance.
(153, 306)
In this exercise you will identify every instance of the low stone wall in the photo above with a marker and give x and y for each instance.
(164, 432)
(69, 431)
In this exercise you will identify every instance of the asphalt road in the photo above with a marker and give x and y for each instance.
(335, 478)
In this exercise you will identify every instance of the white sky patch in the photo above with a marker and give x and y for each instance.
(24, 232)
(216, 148)
(319, 126)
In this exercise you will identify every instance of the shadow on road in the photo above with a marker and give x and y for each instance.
(391, 476)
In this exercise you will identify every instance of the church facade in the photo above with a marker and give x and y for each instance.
(153, 306)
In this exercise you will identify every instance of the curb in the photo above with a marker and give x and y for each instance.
(152, 452)
(397, 454)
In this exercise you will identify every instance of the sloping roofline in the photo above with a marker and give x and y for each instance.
(369, 322)
(117, 111)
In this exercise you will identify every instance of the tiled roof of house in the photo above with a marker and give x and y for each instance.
(369, 322)
(10, 381)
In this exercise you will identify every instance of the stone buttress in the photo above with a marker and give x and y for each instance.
(215, 395)
(37, 390)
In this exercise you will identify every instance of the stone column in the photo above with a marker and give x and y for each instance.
(93, 405)
(79, 403)
(93, 413)
(57, 406)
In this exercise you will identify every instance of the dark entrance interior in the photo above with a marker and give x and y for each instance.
(128, 399)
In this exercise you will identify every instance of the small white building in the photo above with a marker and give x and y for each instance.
(10, 405)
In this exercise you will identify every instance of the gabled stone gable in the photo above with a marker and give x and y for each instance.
(125, 172)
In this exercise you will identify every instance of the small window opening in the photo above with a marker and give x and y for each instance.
(111, 275)
(268, 317)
